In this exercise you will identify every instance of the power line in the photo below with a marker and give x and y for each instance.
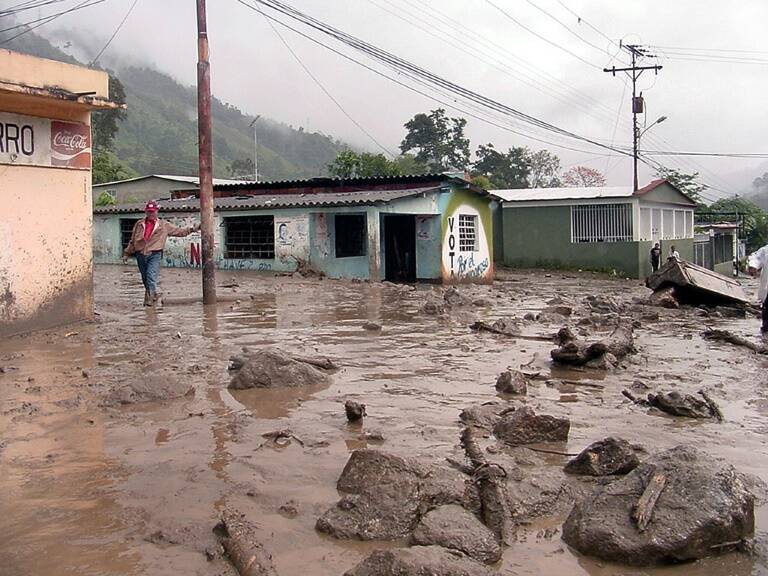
(46, 20)
(579, 19)
(758, 155)
(323, 88)
(539, 36)
(119, 26)
(29, 5)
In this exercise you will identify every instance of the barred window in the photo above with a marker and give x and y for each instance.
(250, 237)
(126, 230)
(351, 232)
(467, 233)
(601, 223)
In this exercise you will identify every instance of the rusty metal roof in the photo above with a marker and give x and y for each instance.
(267, 201)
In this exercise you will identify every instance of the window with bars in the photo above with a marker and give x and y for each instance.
(351, 231)
(467, 233)
(601, 223)
(126, 230)
(249, 237)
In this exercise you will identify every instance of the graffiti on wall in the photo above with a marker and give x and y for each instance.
(292, 238)
(466, 250)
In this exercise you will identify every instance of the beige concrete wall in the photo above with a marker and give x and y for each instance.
(45, 214)
(41, 73)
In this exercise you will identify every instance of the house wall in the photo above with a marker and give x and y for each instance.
(460, 266)
(684, 246)
(45, 220)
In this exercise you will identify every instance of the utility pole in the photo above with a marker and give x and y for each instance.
(255, 149)
(205, 156)
(636, 52)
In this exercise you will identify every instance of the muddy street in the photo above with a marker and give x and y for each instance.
(121, 444)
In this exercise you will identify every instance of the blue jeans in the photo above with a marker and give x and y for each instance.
(149, 266)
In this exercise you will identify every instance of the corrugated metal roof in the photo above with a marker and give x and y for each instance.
(545, 194)
(182, 179)
(329, 182)
(264, 201)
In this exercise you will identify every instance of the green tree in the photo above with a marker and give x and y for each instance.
(242, 169)
(106, 123)
(408, 165)
(350, 164)
(439, 141)
(508, 169)
(754, 219)
(687, 183)
(105, 199)
(545, 168)
(106, 168)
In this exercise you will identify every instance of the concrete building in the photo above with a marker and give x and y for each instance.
(601, 228)
(45, 168)
(716, 245)
(432, 228)
(152, 187)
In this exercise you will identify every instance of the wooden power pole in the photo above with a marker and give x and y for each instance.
(638, 105)
(205, 156)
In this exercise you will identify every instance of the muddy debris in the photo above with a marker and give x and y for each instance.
(558, 310)
(419, 561)
(607, 457)
(524, 426)
(245, 552)
(273, 368)
(601, 304)
(603, 354)
(385, 495)
(374, 436)
(289, 510)
(685, 405)
(354, 410)
(454, 298)
(372, 326)
(678, 505)
(147, 387)
(512, 382)
(731, 338)
(453, 527)
(503, 326)
(484, 415)
(433, 307)
(664, 298)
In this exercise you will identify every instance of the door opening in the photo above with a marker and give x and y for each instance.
(400, 248)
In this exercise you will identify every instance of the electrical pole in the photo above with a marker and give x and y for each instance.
(205, 156)
(638, 105)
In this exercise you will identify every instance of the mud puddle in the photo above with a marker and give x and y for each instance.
(136, 489)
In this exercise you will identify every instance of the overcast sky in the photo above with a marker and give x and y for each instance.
(710, 106)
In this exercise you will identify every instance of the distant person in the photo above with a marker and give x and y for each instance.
(673, 254)
(147, 243)
(655, 256)
(757, 262)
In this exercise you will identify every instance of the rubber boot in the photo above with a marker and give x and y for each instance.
(147, 298)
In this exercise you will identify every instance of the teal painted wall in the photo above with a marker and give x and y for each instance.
(428, 247)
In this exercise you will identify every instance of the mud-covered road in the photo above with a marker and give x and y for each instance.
(87, 488)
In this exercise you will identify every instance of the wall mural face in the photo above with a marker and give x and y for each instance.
(292, 238)
(466, 246)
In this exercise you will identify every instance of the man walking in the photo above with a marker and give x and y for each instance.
(758, 261)
(147, 243)
(655, 257)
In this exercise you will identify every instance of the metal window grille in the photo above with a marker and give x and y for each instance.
(467, 233)
(250, 237)
(351, 231)
(601, 223)
(126, 230)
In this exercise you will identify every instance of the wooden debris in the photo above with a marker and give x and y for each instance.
(644, 508)
(577, 352)
(317, 361)
(246, 554)
(731, 338)
(491, 482)
(713, 407)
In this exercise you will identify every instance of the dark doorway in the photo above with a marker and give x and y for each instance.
(400, 248)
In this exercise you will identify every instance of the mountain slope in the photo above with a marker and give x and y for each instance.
(159, 134)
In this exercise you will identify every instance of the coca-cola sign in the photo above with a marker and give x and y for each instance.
(31, 140)
(70, 144)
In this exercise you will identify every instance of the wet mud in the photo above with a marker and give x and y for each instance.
(137, 485)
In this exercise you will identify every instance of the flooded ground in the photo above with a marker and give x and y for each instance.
(88, 489)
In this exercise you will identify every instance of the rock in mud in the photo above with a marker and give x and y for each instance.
(512, 382)
(559, 310)
(453, 297)
(681, 404)
(354, 410)
(418, 561)
(704, 503)
(372, 326)
(664, 298)
(273, 368)
(433, 306)
(386, 494)
(484, 415)
(524, 426)
(611, 456)
(153, 387)
(455, 528)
